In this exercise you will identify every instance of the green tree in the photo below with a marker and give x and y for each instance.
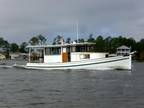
(81, 40)
(7, 48)
(91, 39)
(38, 40)
(116, 42)
(140, 50)
(57, 40)
(5, 45)
(68, 40)
(107, 43)
(42, 39)
(99, 44)
(131, 43)
(34, 41)
(23, 47)
(2, 42)
(14, 47)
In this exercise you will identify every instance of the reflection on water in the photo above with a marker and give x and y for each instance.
(21, 88)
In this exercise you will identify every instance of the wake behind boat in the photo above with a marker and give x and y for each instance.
(73, 56)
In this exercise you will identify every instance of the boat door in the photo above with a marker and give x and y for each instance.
(69, 53)
(64, 55)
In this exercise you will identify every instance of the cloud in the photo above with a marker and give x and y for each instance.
(22, 19)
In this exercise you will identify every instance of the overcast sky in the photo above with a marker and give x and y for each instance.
(22, 19)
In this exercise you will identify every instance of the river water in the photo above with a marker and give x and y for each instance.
(21, 88)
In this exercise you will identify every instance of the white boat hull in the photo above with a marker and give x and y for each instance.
(118, 62)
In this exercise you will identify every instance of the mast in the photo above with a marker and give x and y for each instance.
(77, 26)
(29, 55)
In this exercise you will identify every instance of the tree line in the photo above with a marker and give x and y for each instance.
(103, 44)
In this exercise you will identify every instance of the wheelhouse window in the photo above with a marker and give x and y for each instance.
(80, 49)
(53, 51)
(84, 48)
(85, 56)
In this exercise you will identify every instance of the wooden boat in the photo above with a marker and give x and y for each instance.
(74, 56)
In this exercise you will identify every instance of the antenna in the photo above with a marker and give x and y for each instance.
(77, 26)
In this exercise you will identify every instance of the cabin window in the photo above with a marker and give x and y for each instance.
(53, 51)
(80, 49)
(85, 56)
(73, 49)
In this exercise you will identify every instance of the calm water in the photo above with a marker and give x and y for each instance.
(72, 89)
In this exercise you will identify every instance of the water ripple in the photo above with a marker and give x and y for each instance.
(21, 88)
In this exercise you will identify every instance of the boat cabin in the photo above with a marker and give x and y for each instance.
(63, 52)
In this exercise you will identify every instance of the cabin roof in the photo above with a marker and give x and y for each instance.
(60, 45)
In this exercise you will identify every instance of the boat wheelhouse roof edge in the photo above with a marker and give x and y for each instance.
(60, 45)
